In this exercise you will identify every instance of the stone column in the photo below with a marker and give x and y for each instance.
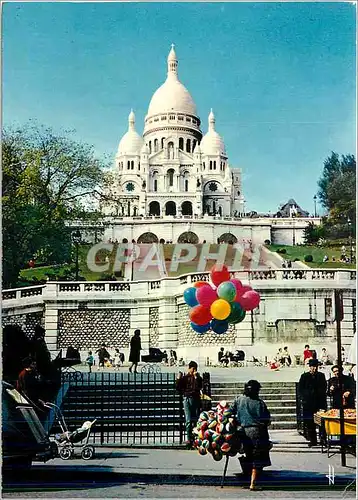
(243, 332)
(51, 326)
(168, 331)
(140, 320)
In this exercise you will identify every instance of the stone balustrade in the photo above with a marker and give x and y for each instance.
(282, 221)
(260, 279)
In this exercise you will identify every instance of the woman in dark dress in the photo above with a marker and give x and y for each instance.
(252, 414)
(135, 351)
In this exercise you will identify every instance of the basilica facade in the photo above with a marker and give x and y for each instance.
(173, 169)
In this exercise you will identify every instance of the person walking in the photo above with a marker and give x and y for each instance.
(190, 386)
(347, 392)
(27, 382)
(312, 389)
(254, 417)
(134, 354)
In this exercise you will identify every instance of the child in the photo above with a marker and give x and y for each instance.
(90, 361)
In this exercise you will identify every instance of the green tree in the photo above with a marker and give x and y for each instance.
(49, 180)
(337, 188)
(313, 233)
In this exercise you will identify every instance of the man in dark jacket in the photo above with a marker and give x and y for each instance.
(312, 389)
(189, 386)
(347, 392)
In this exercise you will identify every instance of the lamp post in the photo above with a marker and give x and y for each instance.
(315, 206)
(76, 238)
(350, 239)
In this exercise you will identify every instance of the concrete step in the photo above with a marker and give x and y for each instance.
(283, 424)
(268, 397)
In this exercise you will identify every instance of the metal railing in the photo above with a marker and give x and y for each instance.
(131, 410)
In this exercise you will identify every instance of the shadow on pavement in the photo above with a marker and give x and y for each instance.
(67, 478)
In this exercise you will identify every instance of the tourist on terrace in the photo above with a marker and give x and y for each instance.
(103, 355)
(134, 353)
(307, 354)
(117, 359)
(190, 386)
(286, 357)
(90, 361)
(312, 388)
(252, 414)
(324, 357)
(347, 392)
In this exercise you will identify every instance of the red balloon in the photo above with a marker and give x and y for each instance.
(249, 300)
(205, 295)
(200, 315)
(218, 275)
(241, 292)
(199, 284)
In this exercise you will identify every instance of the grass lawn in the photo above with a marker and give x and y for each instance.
(292, 252)
(299, 252)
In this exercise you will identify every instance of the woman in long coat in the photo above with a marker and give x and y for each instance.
(252, 414)
(134, 354)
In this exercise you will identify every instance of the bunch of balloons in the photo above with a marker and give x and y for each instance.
(216, 433)
(215, 306)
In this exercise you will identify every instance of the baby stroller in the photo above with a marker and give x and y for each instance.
(66, 440)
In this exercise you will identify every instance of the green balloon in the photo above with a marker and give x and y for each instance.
(237, 314)
(227, 291)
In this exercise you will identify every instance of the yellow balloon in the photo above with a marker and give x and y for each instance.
(220, 309)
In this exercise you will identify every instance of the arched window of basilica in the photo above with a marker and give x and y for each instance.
(139, 165)
(170, 175)
(155, 145)
(203, 165)
(132, 165)
(186, 185)
(214, 165)
(181, 143)
(170, 150)
(150, 147)
(188, 145)
(154, 181)
(128, 165)
(162, 142)
(211, 165)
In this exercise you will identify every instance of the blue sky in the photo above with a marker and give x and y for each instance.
(280, 78)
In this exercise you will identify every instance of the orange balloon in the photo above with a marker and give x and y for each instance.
(198, 284)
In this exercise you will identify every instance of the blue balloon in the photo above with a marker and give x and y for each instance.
(219, 326)
(200, 328)
(190, 296)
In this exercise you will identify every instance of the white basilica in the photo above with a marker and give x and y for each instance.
(173, 169)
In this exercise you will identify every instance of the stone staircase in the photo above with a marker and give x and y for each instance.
(280, 398)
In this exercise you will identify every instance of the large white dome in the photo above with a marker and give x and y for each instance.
(172, 95)
(212, 143)
(131, 143)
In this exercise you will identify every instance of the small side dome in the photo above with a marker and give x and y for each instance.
(131, 143)
(145, 149)
(212, 143)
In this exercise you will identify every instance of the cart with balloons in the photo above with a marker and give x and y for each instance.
(213, 307)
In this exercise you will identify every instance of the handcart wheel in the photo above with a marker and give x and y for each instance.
(87, 452)
(65, 453)
(150, 369)
(144, 369)
(157, 369)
